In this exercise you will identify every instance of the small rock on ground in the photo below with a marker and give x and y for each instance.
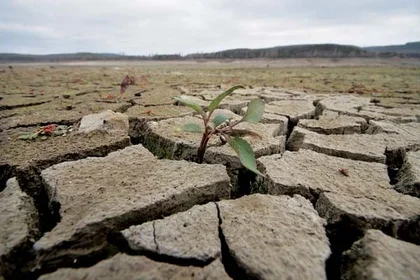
(104, 121)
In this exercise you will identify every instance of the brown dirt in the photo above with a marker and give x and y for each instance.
(64, 93)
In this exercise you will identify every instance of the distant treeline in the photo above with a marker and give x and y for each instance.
(314, 51)
(67, 57)
(409, 49)
(297, 51)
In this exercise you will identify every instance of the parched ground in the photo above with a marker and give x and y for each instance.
(340, 151)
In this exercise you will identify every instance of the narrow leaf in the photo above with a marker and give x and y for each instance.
(25, 137)
(255, 111)
(29, 136)
(190, 104)
(244, 132)
(62, 127)
(192, 127)
(245, 153)
(215, 103)
(219, 119)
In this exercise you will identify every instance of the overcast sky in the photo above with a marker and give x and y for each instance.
(186, 26)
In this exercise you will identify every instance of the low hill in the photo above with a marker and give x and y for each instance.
(63, 57)
(296, 51)
(410, 49)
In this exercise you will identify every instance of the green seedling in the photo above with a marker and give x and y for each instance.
(44, 131)
(221, 125)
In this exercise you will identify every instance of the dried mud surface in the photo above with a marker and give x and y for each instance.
(339, 155)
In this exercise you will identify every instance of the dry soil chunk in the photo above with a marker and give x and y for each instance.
(292, 109)
(19, 226)
(401, 111)
(281, 121)
(307, 172)
(138, 267)
(190, 235)
(364, 196)
(334, 123)
(243, 94)
(166, 139)
(378, 256)
(343, 103)
(96, 195)
(363, 107)
(268, 94)
(158, 112)
(355, 146)
(229, 103)
(193, 99)
(57, 112)
(8, 102)
(408, 176)
(409, 130)
(364, 147)
(104, 121)
(275, 237)
(279, 95)
(19, 158)
(382, 209)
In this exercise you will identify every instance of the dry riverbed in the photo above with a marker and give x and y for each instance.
(340, 151)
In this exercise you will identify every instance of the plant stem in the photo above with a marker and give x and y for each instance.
(203, 146)
(202, 149)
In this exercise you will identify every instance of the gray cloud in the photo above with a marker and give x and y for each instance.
(184, 26)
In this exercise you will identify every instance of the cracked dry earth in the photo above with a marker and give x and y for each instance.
(120, 197)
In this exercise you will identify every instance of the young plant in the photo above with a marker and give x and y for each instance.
(221, 125)
(44, 131)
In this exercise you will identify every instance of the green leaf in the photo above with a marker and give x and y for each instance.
(245, 153)
(255, 111)
(28, 136)
(219, 119)
(25, 137)
(244, 132)
(215, 103)
(59, 132)
(190, 104)
(192, 127)
(62, 127)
